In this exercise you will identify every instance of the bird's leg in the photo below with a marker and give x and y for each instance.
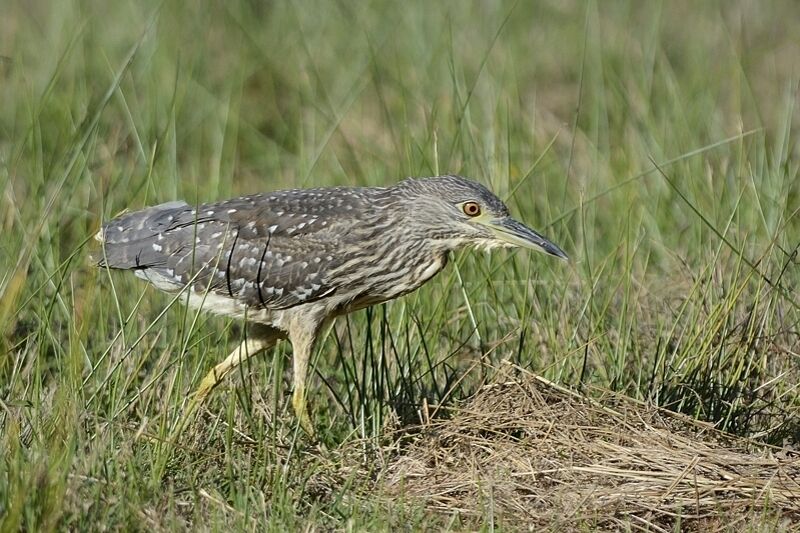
(248, 348)
(299, 402)
(303, 345)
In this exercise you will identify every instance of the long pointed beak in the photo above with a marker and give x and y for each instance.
(516, 233)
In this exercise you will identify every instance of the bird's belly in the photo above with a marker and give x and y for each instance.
(431, 270)
(385, 290)
(421, 274)
(217, 304)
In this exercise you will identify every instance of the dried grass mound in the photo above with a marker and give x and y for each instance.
(533, 454)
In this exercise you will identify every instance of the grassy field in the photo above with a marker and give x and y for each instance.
(656, 142)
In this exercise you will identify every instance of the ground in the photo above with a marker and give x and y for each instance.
(648, 384)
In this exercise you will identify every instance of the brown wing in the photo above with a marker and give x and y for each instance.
(270, 251)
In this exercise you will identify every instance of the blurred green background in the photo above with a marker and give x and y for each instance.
(682, 289)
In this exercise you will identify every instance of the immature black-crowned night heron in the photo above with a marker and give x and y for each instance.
(290, 261)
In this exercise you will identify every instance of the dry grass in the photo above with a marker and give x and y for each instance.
(532, 454)
(522, 454)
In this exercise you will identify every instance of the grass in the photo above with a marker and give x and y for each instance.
(655, 142)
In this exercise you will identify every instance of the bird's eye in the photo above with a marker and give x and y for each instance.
(471, 209)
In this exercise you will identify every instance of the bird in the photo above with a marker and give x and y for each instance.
(288, 262)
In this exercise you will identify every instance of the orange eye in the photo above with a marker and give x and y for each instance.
(471, 209)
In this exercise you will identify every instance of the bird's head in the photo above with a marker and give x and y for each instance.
(462, 213)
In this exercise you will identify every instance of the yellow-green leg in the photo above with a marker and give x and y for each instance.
(302, 345)
(248, 348)
(301, 411)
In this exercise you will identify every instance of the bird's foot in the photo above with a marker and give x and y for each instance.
(301, 412)
(208, 384)
(195, 401)
(308, 427)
